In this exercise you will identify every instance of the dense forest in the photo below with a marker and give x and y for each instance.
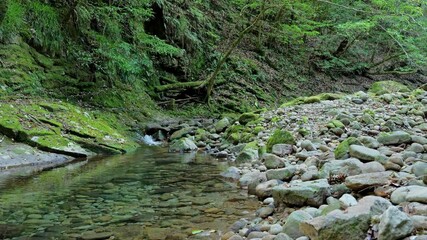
(241, 54)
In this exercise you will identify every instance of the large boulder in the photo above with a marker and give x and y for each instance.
(353, 223)
(383, 87)
(312, 193)
(394, 225)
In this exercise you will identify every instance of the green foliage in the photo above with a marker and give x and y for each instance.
(11, 20)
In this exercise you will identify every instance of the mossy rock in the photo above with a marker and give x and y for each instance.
(313, 99)
(59, 144)
(248, 117)
(24, 120)
(343, 149)
(279, 136)
(222, 124)
(335, 124)
(383, 87)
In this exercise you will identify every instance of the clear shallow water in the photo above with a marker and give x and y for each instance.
(150, 194)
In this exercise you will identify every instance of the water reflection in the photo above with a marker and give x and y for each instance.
(150, 194)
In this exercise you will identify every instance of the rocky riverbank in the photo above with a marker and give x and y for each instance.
(43, 133)
(325, 167)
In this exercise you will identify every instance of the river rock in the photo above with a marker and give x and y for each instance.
(348, 167)
(232, 173)
(372, 167)
(394, 224)
(264, 190)
(291, 227)
(353, 223)
(255, 177)
(183, 145)
(416, 147)
(394, 138)
(283, 174)
(282, 149)
(272, 161)
(366, 180)
(182, 133)
(312, 193)
(364, 153)
(409, 194)
(308, 145)
(419, 169)
(247, 155)
(275, 229)
(419, 221)
(347, 200)
(264, 211)
(221, 125)
(369, 142)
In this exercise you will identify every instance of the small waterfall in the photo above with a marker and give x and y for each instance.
(147, 139)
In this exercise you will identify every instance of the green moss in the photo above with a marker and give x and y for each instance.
(383, 87)
(342, 150)
(280, 136)
(313, 99)
(245, 118)
(258, 129)
(335, 124)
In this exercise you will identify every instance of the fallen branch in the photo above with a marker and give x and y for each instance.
(180, 85)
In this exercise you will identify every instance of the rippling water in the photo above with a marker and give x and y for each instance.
(150, 194)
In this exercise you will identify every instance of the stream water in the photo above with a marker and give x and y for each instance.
(149, 194)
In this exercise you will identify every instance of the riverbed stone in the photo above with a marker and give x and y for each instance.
(283, 174)
(369, 142)
(394, 138)
(265, 211)
(282, 149)
(291, 226)
(264, 190)
(232, 173)
(247, 155)
(222, 124)
(183, 145)
(366, 180)
(409, 194)
(364, 153)
(312, 193)
(353, 223)
(348, 167)
(255, 177)
(419, 169)
(416, 147)
(272, 161)
(394, 225)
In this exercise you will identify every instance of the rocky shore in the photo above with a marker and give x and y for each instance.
(325, 167)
